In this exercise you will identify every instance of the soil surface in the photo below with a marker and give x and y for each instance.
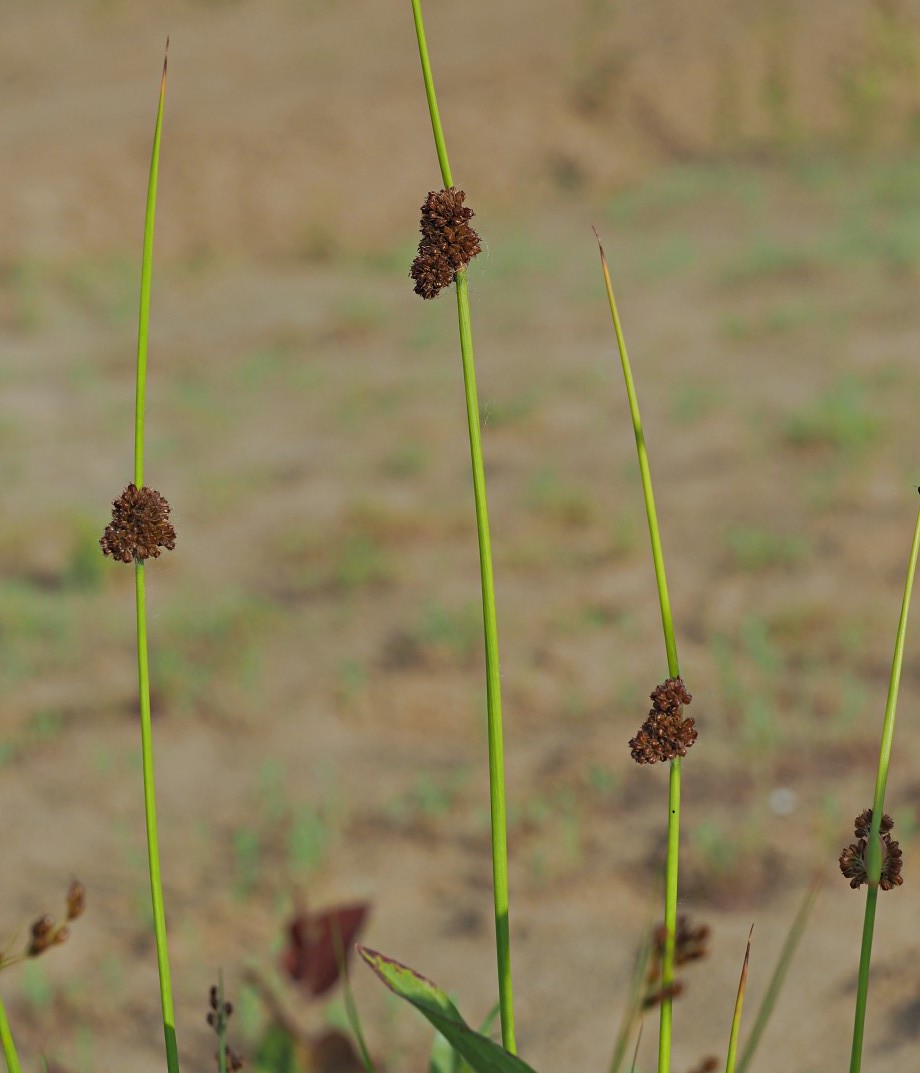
(316, 653)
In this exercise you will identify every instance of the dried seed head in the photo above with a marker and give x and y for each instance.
(448, 242)
(42, 935)
(853, 858)
(690, 944)
(139, 527)
(671, 991)
(891, 865)
(863, 822)
(853, 863)
(431, 271)
(665, 734)
(217, 1018)
(76, 899)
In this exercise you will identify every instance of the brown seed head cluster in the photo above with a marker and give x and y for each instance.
(448, 242)
(218, 1016)
(666, 734)
(853, 858)
(140, 526)
(690, 944)
(45, 932)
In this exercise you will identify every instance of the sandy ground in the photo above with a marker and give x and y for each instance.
(318, 679)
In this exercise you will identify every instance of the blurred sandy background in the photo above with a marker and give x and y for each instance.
(754, 170)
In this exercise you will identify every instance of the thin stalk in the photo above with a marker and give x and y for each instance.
(493, 680)
(351, 1007)
(143, 670)
(670, 644)
(873, 851)
(739, 1004)
(632, 1014)
(6, 1042)
(221, 1025)
(768, 1002)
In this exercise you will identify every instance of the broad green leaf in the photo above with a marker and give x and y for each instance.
(482, 1054)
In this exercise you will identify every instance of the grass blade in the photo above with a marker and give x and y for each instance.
(779, 975)
(632, 1014)
(739, 1004)
(6, 1042)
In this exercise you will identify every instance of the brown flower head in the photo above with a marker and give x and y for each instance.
(76, 899)
(863, 822)
(140, 526)
(218, 1016)
(448, 242)
(431, 271)
(853, 858)
(659, 994)
(690, 944)
(665, 734)
(42, 936)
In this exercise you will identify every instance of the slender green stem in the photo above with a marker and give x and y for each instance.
(143, 327)
(6, 1042)
(632, 1013)
(351, 1007)
(670, 644)
(436, 129)
(873, 853)
(143, 670)
(493, 679)
(150, 811)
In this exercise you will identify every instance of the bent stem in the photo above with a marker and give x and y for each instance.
(6, 1042)
(490, 629)
(873, 852)
(143, 672)
(670, 644)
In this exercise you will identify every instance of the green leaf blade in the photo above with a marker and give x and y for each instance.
(481, 1053)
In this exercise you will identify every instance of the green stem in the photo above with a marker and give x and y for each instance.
(150, 811)
(493, 679)
(143, 326)
(670, 644)
(6, 1042)
(143, 671)
(351, 1007)
(436, 129)
(873, 863)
